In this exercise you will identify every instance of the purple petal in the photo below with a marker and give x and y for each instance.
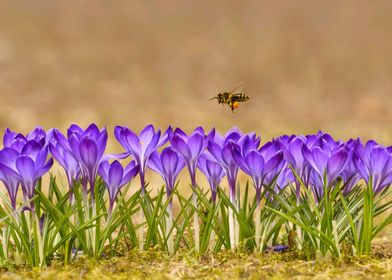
(273, 162)
(180, 145)
(7, 171)
(147, 134)
(130, 172)
(103, 171)
(227, 154)
(202, 164)
(55, 151)
(88, 152)
(133, 143)
(74, 145)
(151, 146)
(8, 137)
(115, 174)
(40, 171)
(155, 164)
(215, 150)
(169, 161)
(378, 159)
(32, 149)
(295, 148)
(119, 135)
(101, 144)
(360, 166)
(8, 157)
(336, 164)
(74, 129)
(250, 143)
(165, 137)
(25, 167)
(196, 145)
(92, 131)
(255, 163)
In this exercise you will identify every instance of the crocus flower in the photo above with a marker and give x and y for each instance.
(259, 165)
(190, 147)
(10, 179)
(168, 164)
(213, 172)
(29, 166)
(17, 141)
(374, 163)
(325, 162)
(220, 148)
(87, 147)
(115, 177)
(32, 164)
(141, 146)
(224, 156)
(62, 152)
(322, 140)
(292, 151)
(349, 174)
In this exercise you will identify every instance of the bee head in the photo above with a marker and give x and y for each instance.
(219, 97)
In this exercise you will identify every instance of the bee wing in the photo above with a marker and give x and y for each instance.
(238, 87)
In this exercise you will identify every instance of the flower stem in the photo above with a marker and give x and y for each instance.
(231, 219)
(141, 229)
(231, 228)
(258, 226)
(142, 218)
(169, 225)
(196, 224)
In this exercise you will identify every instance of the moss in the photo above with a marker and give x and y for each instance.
(225, 265)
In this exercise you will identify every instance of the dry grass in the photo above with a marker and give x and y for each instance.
(155, 265)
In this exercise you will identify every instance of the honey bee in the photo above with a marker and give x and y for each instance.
(232, 99)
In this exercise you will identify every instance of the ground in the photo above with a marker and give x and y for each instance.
(225, 265)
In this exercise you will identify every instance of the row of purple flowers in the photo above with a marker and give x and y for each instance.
(317, 159)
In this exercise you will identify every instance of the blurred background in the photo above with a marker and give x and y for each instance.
(306, 65)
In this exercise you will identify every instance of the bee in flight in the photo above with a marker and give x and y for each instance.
(231, 99)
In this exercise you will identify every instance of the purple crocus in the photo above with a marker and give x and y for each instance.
(292, 151)
(213, 172)
(224, 156)
(140, 146)
(87, 147)
(190, 147)
(115, 177)
(349, 174)
(17, 141)
(168, 164)
(221, 150)
(325, 163)
(62, 152)
(262, 165)
(374, 164)
(10, 179)
(30, 165)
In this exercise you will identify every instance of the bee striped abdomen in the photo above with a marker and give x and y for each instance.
(240, 97)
